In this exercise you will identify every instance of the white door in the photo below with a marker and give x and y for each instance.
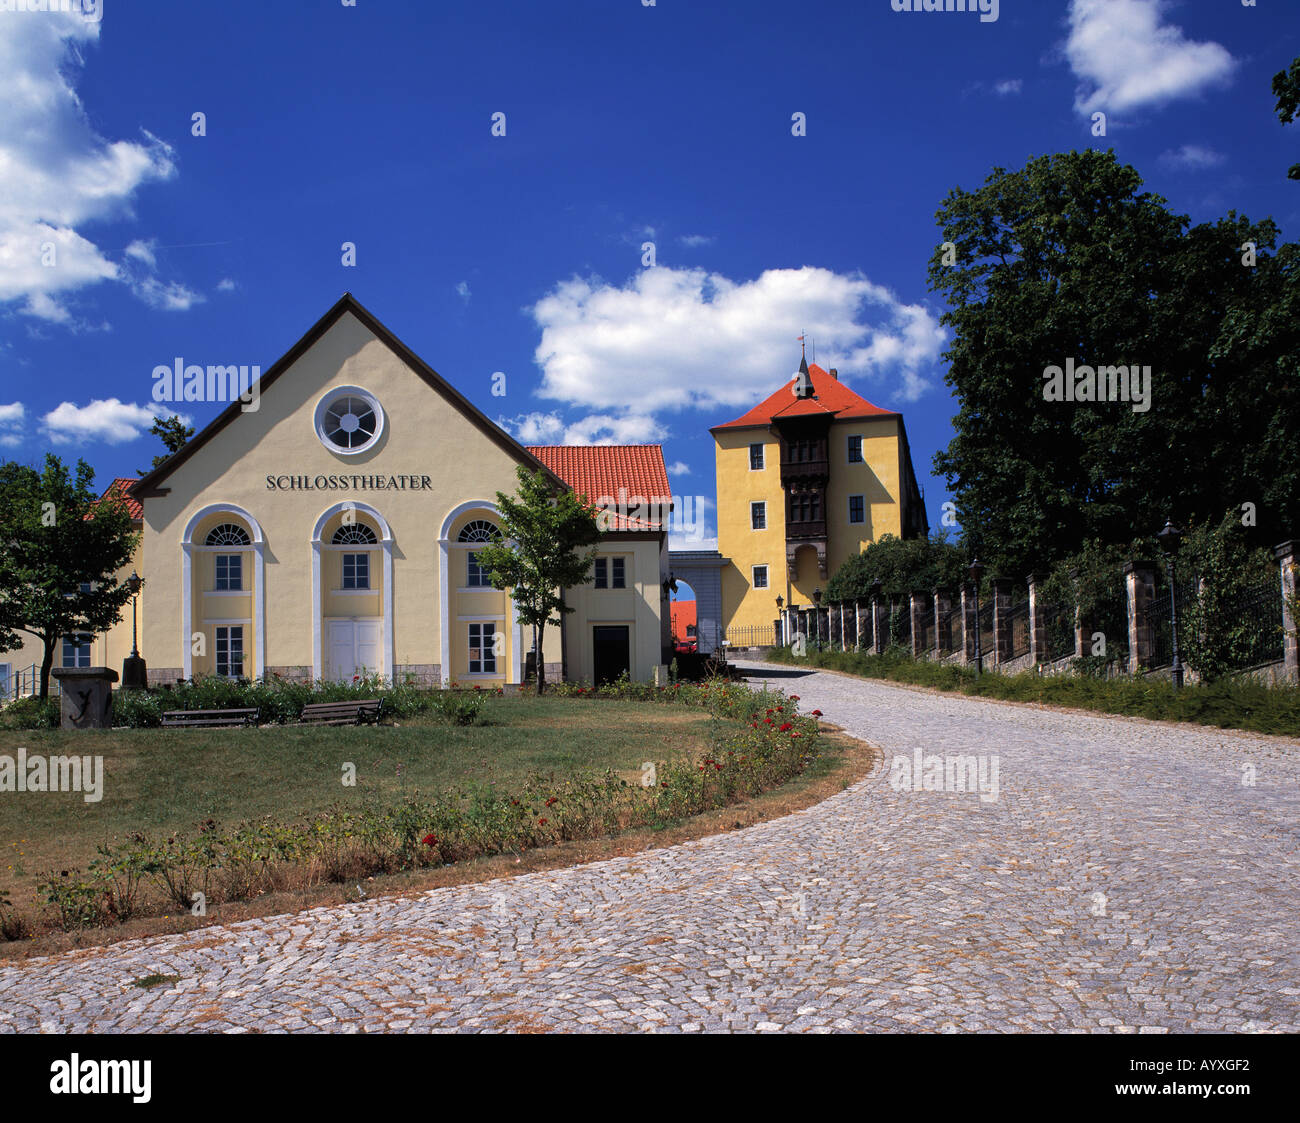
(354, 646)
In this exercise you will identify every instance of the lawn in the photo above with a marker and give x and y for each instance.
(159, 781)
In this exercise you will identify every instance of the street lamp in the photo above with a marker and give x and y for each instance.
(780, 600)
(976, 571)
(1169, 539)
(135, 673)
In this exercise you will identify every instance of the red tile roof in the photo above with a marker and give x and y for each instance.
(613, 474)
(682, 613)
(830, 396)
(120, 489)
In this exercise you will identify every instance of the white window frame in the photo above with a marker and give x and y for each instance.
(848, 449)
(322, 408)
(343, 572)
(487, 631)
(762, 456)
(753, 576)
(217, 629)
(77, 650)
(757, 503)
(238, 559)
(618, 568)
(471, 566)
(862, 521)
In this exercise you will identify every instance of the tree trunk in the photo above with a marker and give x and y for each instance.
(538, 665)
(47, 661)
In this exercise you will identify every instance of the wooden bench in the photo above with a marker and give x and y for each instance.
(365, 712)
(209, 719)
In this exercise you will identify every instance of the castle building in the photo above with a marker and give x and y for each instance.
(806, 479)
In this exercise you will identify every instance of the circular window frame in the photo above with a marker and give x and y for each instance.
(333, 395)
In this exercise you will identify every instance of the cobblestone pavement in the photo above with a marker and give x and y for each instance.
(1125, 879)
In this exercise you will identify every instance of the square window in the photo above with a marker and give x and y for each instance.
(756, 458)
(760, 577)
(482, 649)
(758, 516)
(857, 509)
(230, 652)
(230, 571)
(76, 651)
(855, 450)
(356, 571)
(617, 574)
(602, 573)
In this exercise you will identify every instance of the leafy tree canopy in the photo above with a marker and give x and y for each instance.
(902, 565)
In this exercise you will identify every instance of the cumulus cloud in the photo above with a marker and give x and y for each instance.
(462, 290)
(1008, 86)
(1128, 57)
(226, 285)
(11, 424)
(675, 339)
(679, 468)
(169, 296)
(109, 420)
(56, 172)
(694, 241)
(1192, 157)
(536, 428)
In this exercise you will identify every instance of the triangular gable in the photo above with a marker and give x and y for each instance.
(148, 485)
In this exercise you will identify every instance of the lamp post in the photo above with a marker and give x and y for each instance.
(1169, 539)
(780, 619)
(976, 571)
(135, 674)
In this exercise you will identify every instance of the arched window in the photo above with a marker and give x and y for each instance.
(227, 534)
(354, 534)
(478, 530)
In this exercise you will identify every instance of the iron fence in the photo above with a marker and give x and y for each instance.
(1058, 624)
(1018, 619)
(752, 635)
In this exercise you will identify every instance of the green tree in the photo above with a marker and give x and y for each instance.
(902, 565)
(1286, 88)
(60, 550)
(1068, 258)
(174, 434)
(543, 552)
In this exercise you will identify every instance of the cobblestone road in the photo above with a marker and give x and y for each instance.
(1125, 879)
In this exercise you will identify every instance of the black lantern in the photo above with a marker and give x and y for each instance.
(1169, 540)
(976, 571)
(817, 596)
(780, 600)
(135, 675)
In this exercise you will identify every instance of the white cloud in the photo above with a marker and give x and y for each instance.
(693, 241)
(1008, 86)
(109, 420)
(1127, 57)
(537, 428)
(56, 172)
(679, 468)
(226, 285)
(169, 296)
(1192, 157)
(684, 338)
(11, 424)
(462, 290)
(142, 251)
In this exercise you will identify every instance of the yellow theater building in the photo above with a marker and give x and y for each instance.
(331, 532)
(806, 479)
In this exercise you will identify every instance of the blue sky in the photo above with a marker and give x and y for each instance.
(624, 124)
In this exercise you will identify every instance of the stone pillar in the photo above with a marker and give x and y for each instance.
(1001, 619)
(87, 697)
(1286, 559)
(1082, 642)
(1140, 583)
(942, 625)
(917, 606)
(877, 612)
(1037, 622)
(968, 624)
(842, 644)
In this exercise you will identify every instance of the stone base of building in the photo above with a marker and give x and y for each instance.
(165, 676)
(289, 674)
(418, 674)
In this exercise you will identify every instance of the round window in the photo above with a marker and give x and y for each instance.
(349, 420)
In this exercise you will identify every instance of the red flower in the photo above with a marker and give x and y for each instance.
(794, 697)
(356, 678)
(786, 727)
(718, 767)
(541, 822)
(553, 799)
(816, 713)
(430, 840)
(753, 725)
(767, 721)
(780, 709)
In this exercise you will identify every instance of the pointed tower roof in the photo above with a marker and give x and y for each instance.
(830, 397)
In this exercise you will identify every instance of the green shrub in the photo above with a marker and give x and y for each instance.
(31, 713)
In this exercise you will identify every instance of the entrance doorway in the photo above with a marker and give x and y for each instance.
(611, 651)
(353, 648)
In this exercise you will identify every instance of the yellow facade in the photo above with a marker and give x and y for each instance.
(878, 479)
